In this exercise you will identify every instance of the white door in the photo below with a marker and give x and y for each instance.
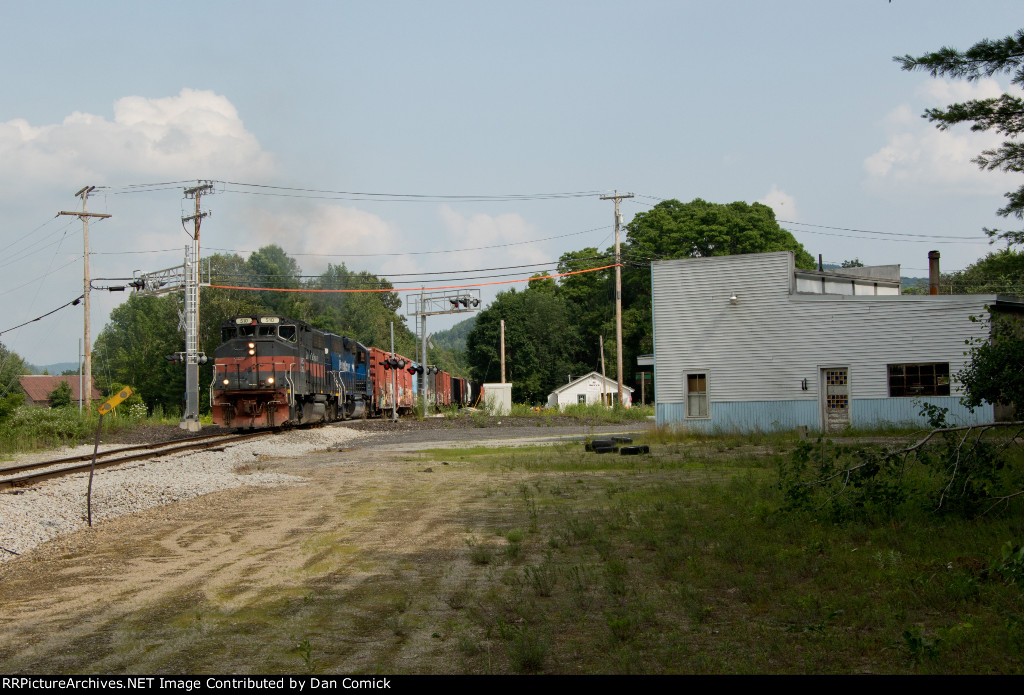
(835, 395)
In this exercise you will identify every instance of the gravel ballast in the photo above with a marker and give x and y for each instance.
(33, 515)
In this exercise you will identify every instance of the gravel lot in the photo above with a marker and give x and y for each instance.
(33, 515)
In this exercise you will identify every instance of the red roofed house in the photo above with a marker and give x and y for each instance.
(38, 389)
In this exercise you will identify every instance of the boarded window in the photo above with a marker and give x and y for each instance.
(696, 395)
(913, 380)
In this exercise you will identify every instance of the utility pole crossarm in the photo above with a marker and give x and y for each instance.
(79, 213)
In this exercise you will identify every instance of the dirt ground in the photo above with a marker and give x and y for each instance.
(131, 594)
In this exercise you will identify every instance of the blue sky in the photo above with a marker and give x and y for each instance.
(796, 104)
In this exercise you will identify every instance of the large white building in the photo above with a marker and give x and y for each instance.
(748, 343)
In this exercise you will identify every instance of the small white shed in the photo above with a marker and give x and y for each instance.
(589, 389)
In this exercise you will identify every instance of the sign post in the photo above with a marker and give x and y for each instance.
(110, 404)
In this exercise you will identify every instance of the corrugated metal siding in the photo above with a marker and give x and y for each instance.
(763, 347)
(768, 416)
(764, 416)
(871, 412)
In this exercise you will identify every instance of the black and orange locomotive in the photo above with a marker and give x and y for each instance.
(271, 371)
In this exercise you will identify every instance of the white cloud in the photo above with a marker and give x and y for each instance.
(919, 156)
(328, 234)
(195, 134)
(782, 203)
(478, 230)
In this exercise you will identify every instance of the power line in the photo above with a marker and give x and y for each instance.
(411, 289)
(846, 229)
(63, 306)
(421, 253)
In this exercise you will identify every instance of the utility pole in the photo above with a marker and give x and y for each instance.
(604, 381)
(618, 288)
(190, 419)
(84, 216)
(503, 351)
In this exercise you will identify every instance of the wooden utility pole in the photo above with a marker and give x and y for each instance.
(84, 216)
(618, 289)
(604, 381)
(503, 351)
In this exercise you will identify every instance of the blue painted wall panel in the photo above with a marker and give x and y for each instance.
(767, 416)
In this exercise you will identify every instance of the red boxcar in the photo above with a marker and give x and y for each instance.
(443, 388)
(389, 371)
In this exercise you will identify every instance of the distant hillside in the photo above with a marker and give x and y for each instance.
(455, 337)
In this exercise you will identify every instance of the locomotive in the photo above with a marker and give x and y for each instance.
(272, 371)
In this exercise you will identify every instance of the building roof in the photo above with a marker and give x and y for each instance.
(38, 388)
(592, 375)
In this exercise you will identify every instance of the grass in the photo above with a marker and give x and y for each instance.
(675, 562)
(35, 429)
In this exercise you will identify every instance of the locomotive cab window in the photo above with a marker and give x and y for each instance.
(246, 331)
(270, 331)
(227, 334)
(288, 333)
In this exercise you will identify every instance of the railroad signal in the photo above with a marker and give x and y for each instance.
(115, 400)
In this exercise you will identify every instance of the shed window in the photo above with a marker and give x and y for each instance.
(696, 396)
(912, 380)
(581, 399)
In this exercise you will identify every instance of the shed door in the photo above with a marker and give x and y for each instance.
(835, 395)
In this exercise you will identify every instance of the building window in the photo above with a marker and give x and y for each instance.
(581, 399)
(912, 380)
(696, 395)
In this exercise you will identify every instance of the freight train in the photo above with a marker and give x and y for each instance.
(272, 371)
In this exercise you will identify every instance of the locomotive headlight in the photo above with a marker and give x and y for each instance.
(226, 382)
(270, 380)
(252, 352)
(252, 345)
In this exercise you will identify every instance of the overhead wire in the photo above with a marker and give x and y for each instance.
(420, 253)
(42, 316)
(411, 289)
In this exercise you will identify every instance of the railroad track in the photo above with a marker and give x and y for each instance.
(30, 473)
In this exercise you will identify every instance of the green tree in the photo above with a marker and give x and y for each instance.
(12, 366)
(60, 397)
(133, 344)
(1003, 114)
(539, 340)
(1001, 272)
(995, 371)
(672, 229)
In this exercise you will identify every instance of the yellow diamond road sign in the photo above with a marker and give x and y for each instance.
(114, 401)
